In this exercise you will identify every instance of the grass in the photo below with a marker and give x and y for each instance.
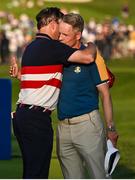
(99, 9)
(122, 92)
(124, 103)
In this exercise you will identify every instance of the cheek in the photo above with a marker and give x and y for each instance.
(64, 38)
(68, 41)
(61, 37)
(57, 29)
(71, 41)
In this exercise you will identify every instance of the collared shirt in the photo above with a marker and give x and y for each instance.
(79, 94)
(41, 72)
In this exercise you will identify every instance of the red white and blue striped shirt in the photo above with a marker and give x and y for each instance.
(41, 72)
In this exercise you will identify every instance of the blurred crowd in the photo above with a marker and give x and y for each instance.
(113, 38)
(15, 34)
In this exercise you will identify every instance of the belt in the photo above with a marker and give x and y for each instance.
(78, 119)
(34, 107)
(68, 122)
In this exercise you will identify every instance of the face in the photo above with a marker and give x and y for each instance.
(106, 29)
(56, 31)
(68, 35)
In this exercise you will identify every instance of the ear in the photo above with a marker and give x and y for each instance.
(78, 35)
(53, 25)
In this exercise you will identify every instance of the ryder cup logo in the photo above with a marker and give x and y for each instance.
(77, 69)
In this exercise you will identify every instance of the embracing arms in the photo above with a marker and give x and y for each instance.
(85, 56)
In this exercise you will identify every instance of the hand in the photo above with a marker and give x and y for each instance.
(113, 136)
(92, 50)
(13, 71)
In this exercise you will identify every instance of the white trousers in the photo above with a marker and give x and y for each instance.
(81, 141)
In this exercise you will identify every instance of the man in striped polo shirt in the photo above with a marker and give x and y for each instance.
(41, 74)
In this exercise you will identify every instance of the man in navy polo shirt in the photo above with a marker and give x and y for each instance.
(41, 73)
(80, 133)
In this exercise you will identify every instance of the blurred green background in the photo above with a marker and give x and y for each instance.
(99, 9)
(122, 92)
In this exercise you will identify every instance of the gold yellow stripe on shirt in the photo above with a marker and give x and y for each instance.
(101, 67)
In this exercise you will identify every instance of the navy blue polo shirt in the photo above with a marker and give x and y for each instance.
(79, 94)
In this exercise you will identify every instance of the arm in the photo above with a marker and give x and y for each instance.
(14, 70)
(85, 56)
(108, 112)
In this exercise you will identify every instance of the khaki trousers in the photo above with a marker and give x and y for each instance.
(81, 141)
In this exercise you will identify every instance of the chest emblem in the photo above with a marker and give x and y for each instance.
(77, 69)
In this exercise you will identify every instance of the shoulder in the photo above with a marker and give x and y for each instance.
(91, 45)
(93, 49)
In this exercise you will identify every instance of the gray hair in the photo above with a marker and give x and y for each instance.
(75, 20)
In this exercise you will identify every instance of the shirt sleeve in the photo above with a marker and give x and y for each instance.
(98, 71)
(62, 52)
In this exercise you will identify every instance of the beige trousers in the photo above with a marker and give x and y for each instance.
(81, 142)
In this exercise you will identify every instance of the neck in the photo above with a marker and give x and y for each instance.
(46, 31)
(77, 45)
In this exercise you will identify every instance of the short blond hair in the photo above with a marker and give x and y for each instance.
(75, 20)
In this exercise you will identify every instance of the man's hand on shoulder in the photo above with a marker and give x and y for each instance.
(85, 56)
(92, 49)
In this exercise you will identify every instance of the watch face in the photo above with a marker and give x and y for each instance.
(111, 128)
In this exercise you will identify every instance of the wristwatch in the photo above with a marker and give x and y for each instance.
(111, 128)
